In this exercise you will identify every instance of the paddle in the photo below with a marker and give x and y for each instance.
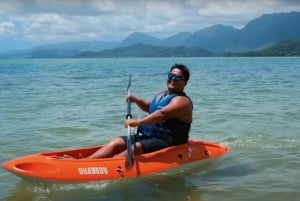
(129, 159)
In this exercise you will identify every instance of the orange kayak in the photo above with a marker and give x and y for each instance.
(54, 166)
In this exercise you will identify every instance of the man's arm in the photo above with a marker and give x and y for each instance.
(143, 104)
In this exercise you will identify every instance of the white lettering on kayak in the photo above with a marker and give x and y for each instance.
(190, 151)
(92, 170)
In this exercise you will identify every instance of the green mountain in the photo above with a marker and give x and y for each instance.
(284, 48)
(269, 29)
(142, 50)
(262, 32)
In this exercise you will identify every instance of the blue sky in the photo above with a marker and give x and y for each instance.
(26, 23)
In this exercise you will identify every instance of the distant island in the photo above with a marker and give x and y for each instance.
(282, 49)
(142, 50)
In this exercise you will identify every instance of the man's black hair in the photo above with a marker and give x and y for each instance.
(184, 69)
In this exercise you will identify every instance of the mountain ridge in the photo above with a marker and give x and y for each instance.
(143, 50)
(259, 33)
(283, 48)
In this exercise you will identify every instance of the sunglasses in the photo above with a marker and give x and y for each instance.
(173, 75)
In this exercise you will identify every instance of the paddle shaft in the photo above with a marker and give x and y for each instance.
(129, 159)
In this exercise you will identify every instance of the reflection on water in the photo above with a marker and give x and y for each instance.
(155, 187)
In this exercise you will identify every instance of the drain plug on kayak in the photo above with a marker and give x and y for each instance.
(180, 155)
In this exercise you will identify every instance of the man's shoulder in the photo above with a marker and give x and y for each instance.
(181, 98)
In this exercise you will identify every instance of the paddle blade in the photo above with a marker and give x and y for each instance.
(129, 162)
(129, 159)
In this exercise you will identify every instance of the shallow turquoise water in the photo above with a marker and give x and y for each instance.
(251, 105)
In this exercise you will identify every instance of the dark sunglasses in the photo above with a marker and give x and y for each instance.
(173, 75)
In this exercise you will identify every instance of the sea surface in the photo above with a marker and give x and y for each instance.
(251, 105)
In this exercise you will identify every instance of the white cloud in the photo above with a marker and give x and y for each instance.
(237, 13)
(7, 29)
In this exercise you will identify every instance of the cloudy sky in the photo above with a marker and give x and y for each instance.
(25, 23)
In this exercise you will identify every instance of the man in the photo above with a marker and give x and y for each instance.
(168, 122)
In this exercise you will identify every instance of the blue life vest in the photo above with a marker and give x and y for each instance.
(160, 101)
(157, 130)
